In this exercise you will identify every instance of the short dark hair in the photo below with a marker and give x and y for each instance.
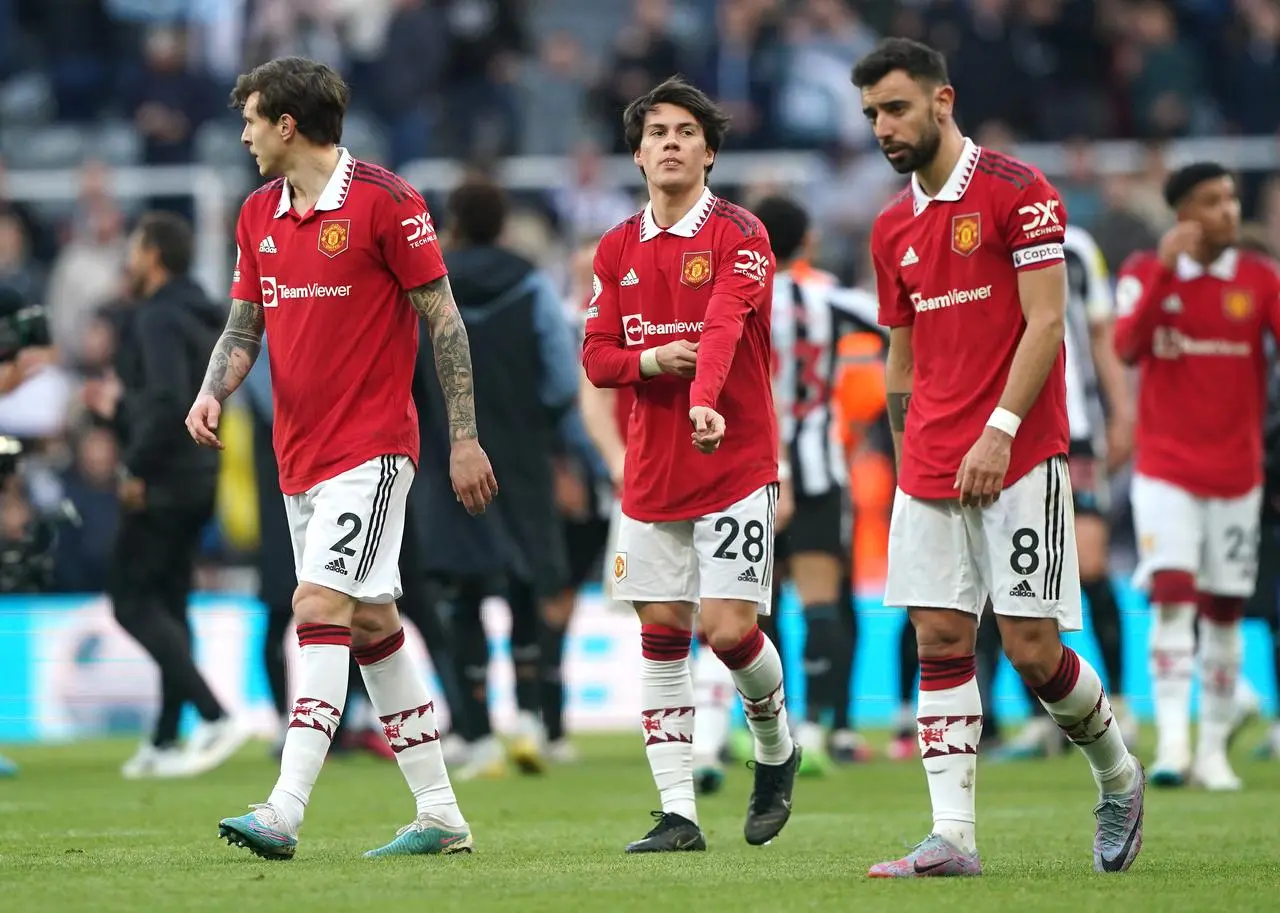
(313, 94)
(919, 61)
(477, 210)
(169, 235)
(677, 91)
(1187, 178)
(786, 222)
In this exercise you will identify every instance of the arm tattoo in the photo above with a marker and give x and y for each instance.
(434, 304)
(236, 350)
(898, 403)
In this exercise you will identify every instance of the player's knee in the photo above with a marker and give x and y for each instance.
(1172, 589)
(372, 622)
(1033, 648)
(726, 627)
(944, 632)
(314, 604)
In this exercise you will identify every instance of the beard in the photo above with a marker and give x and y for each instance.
(918, 155)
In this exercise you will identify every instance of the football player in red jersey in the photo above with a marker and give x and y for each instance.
(1192, 316)
(337, 261)
(971, 282)
(681, 314)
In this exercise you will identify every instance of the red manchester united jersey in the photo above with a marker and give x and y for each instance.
(707, 279)
(342, 336)
(1196, 335)
(948, 266)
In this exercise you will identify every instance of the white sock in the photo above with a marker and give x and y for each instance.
(1075, 699)
(1221, 651)
(757, 673)
(949, 726)
(714, 691)
(398, 691)
(1172, 645)
(323, 660)
(666, 694)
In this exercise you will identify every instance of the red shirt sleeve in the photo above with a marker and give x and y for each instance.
(1035, 224)
(407, 237)
(1143, 284)
(246, 281)
(896, 309)
(605, 356)
(743, 283)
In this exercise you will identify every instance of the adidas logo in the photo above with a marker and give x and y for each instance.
(337, 566)
(748, 576)
(1022, 589)
(268, 246)
(909, 258)
(630, 278)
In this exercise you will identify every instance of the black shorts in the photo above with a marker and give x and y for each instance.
(585, 539)
(819, 525)
(1090, 492)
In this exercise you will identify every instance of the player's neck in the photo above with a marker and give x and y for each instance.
(934, 176)
(670, 208)
(1207, 255)
(310, 173)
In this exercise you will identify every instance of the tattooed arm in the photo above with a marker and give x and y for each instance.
(434, 303)
(236, 350)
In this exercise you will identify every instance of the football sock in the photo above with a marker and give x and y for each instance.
(552, 678)
(398, 691)
(1221, 652)
(473, 662)
(713, 691)
(666, 694)
(278, 619)
(1074, 697)
(825, 645)
(1104, 612)
(526, 651)
(949, 727)
(908, 665)
(842, 689)
(1172, 647)
(757, 673)
(323, 661)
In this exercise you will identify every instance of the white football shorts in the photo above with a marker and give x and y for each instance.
(725, 555)
(347, 530)
(1216, 539)
(1020, 551)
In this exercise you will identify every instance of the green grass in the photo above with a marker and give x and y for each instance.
(75, 837)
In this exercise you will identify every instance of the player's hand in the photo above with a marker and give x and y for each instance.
(708, 428)
(981, 476)
(472, 476)
(1119, 442)
(786, 504)
(1183, 238)
(679, 358)
(202, 421)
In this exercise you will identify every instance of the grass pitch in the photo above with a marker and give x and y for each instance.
(75, 837)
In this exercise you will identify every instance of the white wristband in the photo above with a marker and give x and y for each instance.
(1006, 421)
(784, 470)
(649, 366)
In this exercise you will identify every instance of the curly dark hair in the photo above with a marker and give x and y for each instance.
(919, 61)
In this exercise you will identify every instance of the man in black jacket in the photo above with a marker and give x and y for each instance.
(167, 488)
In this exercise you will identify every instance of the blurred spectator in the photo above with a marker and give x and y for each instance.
(168, 101)
(286, 28)
(18, 270)
(588, 205)
(644, 53)
(554, 96)
(407, 78)
(483, 40)
(80, 45)
(819, 106)
(1252, 56)
(990, 76)
(1165, 80)
(42, 243)
(743, 67)
(83, 554)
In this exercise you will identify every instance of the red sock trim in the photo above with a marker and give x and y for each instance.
(1063, 681)
(310, 633)
(1222, 610)
(939, 673)
(745, 651)
(1173, 588)
(380, 650)
(663, 644)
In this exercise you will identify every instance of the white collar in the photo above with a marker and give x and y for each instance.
(1223, 268)
(334, 193)
(956, 184)
(687, 227)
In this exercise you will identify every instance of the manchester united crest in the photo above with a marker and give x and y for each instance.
(1237, 303)
(695, 268)
(966, 233)
(620, 566)
(334, 236)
